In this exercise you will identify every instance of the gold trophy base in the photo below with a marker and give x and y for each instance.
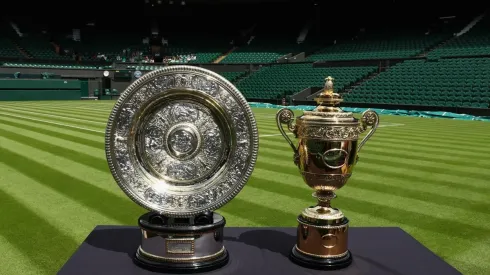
(322, 239)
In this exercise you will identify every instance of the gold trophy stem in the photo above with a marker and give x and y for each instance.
(324, 198)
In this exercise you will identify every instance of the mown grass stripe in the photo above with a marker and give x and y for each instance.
(404, 197)
(99, 132)
(468, 172)
(58, 119)
(54, 105)
(98, 178)
(257, 213)
(408, 143)
(393, 183)
(417, 153)
(15, 261)
(82, 120)
(466, 206)
(427, 149)
(419, 203)
(44, 245)
(62, 134)
(391, 180)
(68, 113)
(93, 197)
(455, 182)
(54, 207)
(452, 138)
(358, 203)
(447, 161)
(82, 154)
(478, 248)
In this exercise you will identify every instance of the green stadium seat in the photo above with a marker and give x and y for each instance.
(380, 44)
(281, 80)
(473, 43)
(460, 82)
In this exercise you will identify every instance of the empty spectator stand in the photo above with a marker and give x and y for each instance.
(461, 82)
(472, 43)
(8, 49)
(206, 47)
(230, 76)
(95, 42)
(379, 46)
(277, 81)
(392, 41)
(39, 46)
(267, 43)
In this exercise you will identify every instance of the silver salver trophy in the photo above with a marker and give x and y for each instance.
(181, 142)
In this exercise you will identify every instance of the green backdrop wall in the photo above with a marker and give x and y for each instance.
(40, 89)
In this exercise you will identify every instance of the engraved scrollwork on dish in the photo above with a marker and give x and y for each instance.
(177, 156)
(178, 130)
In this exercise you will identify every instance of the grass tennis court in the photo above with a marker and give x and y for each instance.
(427, 176)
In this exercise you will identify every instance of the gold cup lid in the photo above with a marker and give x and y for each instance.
(328, 106)
(328, 99)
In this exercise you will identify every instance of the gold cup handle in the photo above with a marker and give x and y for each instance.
(369, 119)
(286, 116)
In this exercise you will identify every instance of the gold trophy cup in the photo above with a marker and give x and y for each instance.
(326, 156)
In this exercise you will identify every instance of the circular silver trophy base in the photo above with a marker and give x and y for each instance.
(181, 245)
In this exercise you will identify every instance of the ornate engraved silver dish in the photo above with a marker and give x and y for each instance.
(181, 142)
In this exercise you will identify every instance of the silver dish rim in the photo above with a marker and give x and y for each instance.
(226, 85)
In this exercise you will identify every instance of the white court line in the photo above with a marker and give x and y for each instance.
(102, 132)
(55, 123)
(390, 125)
(69, 118)
(59, 107)
(87, 129)
(273, 135)
(91, 121)
(104, 123)
(94, 109)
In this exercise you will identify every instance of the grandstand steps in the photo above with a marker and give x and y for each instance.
(310, 93)
(468, 27)
(223, 56)
(305, 93)
(242, 77)
(23, 51)
(358, 83)
(434, 47)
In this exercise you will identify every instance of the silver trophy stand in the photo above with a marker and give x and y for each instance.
(181, 142)
(182, 245)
